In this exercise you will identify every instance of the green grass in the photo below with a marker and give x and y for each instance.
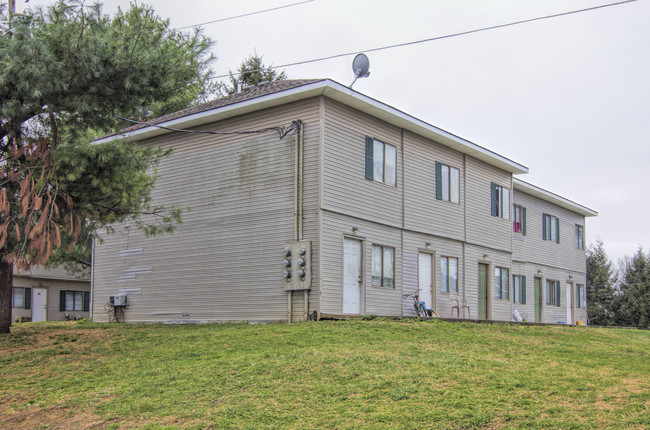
(328, 375)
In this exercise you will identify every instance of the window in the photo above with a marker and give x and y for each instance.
(550, 228)
(447, 183)
(553, 293)
(519, 219)
(580, 237)
(74, 301)
(449, 274)
(381, 161)
(500, 201)
(501, 283)
(580, 296)
(22, 298)
(383, 266)
(519, 289)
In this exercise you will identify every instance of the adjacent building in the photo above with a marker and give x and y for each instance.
(310, 200)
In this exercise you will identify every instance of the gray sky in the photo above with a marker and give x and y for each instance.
(568, 97)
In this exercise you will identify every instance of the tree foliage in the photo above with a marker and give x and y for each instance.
(631, 306)
(251, 72)
(67, 72)
(600, 285)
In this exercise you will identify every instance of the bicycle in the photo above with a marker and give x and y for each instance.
(420, 307)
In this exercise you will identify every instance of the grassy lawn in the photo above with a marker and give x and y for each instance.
(326, 375)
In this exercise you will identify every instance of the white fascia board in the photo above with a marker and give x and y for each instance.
(553, 198)
(342, 94)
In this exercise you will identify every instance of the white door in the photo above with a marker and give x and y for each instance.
(351, 276)
(425, 278)
(39, 304)
(569, 304)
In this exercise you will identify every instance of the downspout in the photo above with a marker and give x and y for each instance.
(465, 231)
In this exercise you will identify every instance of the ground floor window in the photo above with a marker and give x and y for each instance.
(501, 283)
(383, 266)
(580, 296)
(553, 292)
(449, 274)
(74, 301)
(22, 297)
(519, 289)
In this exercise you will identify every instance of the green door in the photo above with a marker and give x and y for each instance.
(482, 291)
(538, 300)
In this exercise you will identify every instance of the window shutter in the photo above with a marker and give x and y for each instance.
(369, 160)
(544, 226)
(523, 290)
(86, 301)
(557, 223)
(28, 298)
(62, 300)
(438, 180)
(557, 286)
(523, 221)
(495, 199)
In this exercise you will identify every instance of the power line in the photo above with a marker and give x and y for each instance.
(431, 39)
(246, 14)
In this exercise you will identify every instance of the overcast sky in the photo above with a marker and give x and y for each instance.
(568, 97)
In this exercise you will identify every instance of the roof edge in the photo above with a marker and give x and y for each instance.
(553, 198)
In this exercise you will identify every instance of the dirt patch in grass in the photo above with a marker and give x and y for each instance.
(51, 417)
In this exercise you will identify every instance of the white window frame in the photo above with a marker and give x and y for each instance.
(551, 298)
(449, 183)
(518, 218)
(382, 154)
(379, 269)
(74, 301)
(580, 236)
(503, 201)
(448, 274)
(552, 227)
(14, 296)
(518, 292)
(501, 291)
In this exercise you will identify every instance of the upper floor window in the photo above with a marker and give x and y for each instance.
(519, 289)
(553, 293)
(383, 266)
(580, 237)
(550, 228)
(381, 161)
(501, 283)
(580, 296)
(519, 219)
(449, 274)
(447, 183)
(500, 201)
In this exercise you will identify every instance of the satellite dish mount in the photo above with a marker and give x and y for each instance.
(360, 67)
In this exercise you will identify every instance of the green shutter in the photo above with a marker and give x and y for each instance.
(523, 221)
(28, 298)
(557, 283)
(557, 223)
(438, 180)
(369, 160)
(494, 199)
(523, 290)
(544, 226)
(62, 300)
(86, 301)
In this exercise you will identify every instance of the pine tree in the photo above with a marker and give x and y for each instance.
(251, 72)
(67, 72)
(600, 285)
(631, 307)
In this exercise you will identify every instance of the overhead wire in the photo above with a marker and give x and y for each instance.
(431, 39)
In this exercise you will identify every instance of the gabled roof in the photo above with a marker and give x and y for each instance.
(550, 197)
(281, 92)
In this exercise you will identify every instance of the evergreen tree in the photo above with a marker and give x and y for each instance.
(66, 73)
(251, 72)
(631, 307)
(600, 285)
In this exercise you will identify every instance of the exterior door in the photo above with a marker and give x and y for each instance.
(569, 303)
(425, 279)
(351, 276)
(482, 291)
(39, 304)
(538, 300)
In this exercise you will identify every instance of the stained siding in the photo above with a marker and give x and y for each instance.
(223, 262)
(422, 212)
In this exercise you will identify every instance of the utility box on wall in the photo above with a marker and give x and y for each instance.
(297, 265)
(119, 300)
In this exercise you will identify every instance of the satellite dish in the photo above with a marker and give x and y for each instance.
(360, 67)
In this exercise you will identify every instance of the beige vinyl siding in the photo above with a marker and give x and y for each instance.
(53, 287)
(414, 243)
(374, 300)
(422, 212)
(345, 187)
(224, 262)
(534, 249)
(497, 309)
(483, 228)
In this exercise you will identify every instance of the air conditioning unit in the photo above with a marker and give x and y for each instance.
(119, 300)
